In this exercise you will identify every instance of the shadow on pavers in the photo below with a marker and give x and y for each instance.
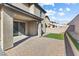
(20, 41)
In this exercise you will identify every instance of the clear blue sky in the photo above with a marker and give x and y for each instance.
(61, 12)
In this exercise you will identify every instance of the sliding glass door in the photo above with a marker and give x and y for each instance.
(15, 28)
(18, 28)
(22, 28)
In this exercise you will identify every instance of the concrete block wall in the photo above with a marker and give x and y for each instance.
(75, 51)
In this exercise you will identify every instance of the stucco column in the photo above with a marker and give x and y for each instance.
(39, 29)
(6, 30)
(44, 28)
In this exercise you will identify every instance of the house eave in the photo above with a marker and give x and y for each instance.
(22, 11)
(40, 7)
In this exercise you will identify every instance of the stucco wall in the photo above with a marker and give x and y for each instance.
(6, 31)
(47, 21)
(32, 28)
(42, 15)
(31, 8)
(21, 6)
(37, 11)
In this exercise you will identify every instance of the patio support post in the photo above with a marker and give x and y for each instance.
(44, 28)
(39, 29)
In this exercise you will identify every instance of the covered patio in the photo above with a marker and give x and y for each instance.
(17, 25)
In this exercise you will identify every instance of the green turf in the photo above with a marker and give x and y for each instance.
(55, 36)
(74, 41)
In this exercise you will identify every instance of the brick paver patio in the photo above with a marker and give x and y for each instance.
(38, 47)
(1, 52)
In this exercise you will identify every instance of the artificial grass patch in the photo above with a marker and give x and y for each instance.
(74, 41)
(55, 36)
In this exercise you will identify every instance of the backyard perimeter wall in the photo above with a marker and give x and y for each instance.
(75, 51)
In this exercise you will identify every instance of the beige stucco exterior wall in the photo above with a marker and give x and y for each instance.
(21, 6)
(47, 21)
(37, 11)
(6, 31)
(31, 8)
(32, 28)
(42, 15)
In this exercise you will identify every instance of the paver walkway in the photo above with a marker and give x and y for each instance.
(1, 52)
(38, 47)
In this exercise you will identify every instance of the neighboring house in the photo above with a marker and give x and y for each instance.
(48, 23)
(20, 19)
(53, 24)
(74, 25)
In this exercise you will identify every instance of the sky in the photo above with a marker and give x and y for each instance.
(61, 12)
